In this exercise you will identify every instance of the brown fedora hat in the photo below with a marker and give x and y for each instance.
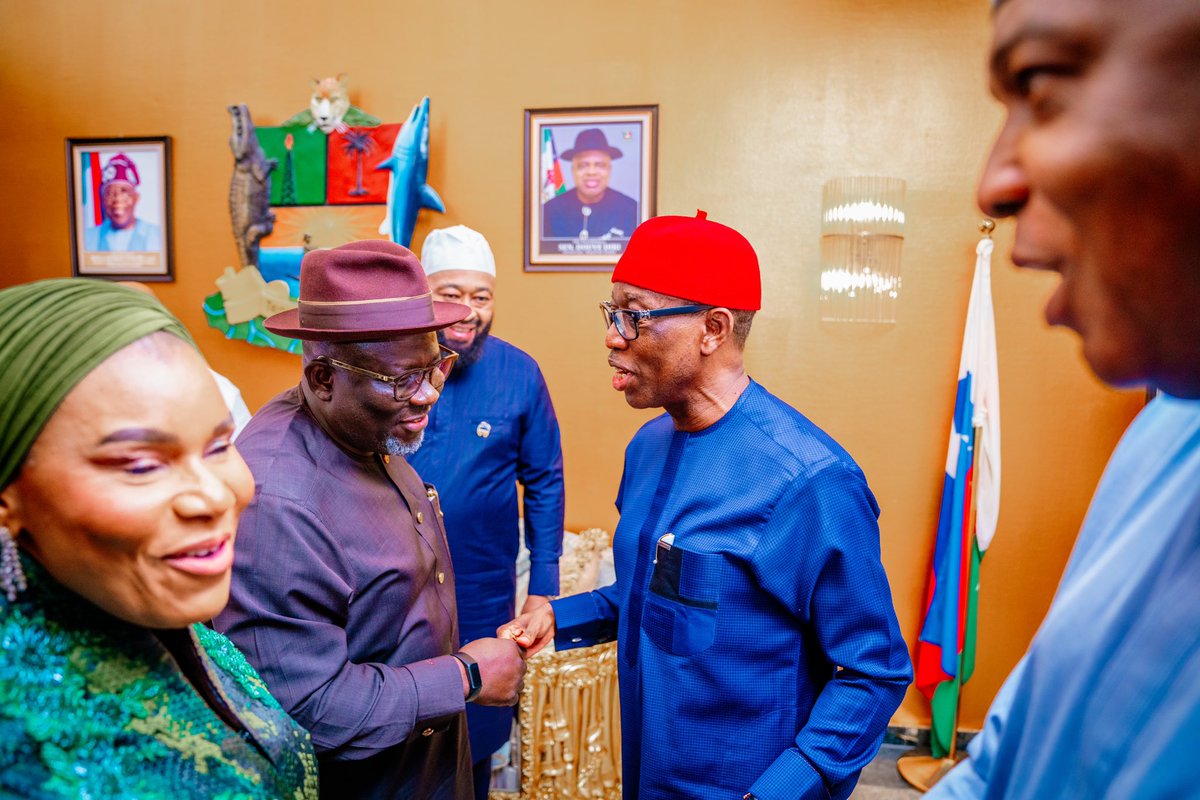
(364, 291)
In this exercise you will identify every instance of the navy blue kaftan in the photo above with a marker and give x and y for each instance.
(494, 427)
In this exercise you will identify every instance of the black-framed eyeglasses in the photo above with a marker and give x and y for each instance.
(409, 382)
(627, 319)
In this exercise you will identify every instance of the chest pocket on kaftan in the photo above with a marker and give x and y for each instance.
(680, 615)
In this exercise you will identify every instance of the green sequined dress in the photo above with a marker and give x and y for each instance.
(94, 707)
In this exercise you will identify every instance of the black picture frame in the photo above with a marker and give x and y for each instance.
(139, 249)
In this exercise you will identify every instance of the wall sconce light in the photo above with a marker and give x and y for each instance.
(862, 232)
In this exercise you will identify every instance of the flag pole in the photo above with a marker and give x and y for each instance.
(986, 226)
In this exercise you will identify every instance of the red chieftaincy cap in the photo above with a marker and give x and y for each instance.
(692, 258)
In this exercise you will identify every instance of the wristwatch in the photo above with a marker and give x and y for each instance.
(474, 678)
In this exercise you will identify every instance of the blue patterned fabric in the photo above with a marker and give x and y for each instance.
(768, 657)
(492, 427)
(1106, 702)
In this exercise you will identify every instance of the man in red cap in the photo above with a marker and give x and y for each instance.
(759, 653)
(343, 594)
(121, 231)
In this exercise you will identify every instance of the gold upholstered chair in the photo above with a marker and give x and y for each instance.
(569, 734)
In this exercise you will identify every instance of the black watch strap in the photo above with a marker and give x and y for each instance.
(474, 678)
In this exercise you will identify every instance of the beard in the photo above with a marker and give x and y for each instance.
(472, 353)
(395, 446)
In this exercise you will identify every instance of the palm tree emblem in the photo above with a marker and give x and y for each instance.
(357, 144)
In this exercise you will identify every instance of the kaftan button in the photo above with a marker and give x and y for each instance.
(427, 732)
(420, 517)
(441, 577)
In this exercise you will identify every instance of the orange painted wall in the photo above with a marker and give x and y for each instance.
(760, 104)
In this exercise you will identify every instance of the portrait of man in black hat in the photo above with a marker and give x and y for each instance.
(590, 209)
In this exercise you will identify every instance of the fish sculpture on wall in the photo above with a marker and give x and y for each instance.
(250, 188)
(407, 190)
(329, 109)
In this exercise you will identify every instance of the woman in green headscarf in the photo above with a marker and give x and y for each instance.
(119, 498)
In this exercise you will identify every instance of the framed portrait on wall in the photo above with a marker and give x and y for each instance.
(590, 179)
(119, 194)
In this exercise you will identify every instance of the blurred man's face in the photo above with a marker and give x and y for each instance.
(120, 202)
(1099, 161)
(591, 170)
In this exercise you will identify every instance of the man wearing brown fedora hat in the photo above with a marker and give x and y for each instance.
(591, 209)
(343, 594)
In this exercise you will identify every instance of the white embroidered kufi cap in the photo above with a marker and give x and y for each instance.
(457, 247)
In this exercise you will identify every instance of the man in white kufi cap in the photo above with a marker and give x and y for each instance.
(494, 427)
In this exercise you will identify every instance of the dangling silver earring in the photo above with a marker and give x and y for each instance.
(12, 577)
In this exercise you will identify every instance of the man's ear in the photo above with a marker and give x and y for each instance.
(718, 327)
(319, 378)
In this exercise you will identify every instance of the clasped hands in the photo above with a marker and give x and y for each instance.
(532, 630)
(502, 660)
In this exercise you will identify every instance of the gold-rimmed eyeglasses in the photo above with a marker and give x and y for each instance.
(409, 382)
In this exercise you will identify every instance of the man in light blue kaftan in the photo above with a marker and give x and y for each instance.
(1109, 692)
(1097, 162)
